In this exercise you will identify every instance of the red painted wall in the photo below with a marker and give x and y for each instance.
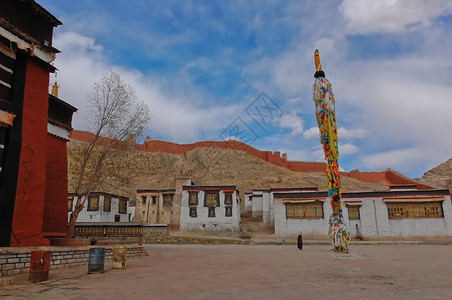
(55, 210)
(31, 183)
(302, 166)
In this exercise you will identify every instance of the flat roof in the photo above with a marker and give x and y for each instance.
(443, 192)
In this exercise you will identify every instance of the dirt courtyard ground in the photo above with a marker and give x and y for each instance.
(257, 272)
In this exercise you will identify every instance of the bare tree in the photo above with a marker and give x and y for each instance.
(115, 115)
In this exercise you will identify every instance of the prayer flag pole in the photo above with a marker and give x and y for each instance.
(326, 119)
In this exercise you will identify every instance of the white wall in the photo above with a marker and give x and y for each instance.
(203, 222)
(257, 204)
(284, 226)
(131, 212)
(266, 207)
(248, 203)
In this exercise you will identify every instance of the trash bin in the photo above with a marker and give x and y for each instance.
(39, 266)
(119, 257)
(96, 260)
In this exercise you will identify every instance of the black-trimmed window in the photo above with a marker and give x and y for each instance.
(211, 212)
(228, 204)
(154, 199)
(193, 198)
(227, 198)
(122, 206)
(107, 204)
(70, 203)
(212, 199)
(193, 212)
(143, 199)
(93, 203)
(228, 211)
(168, 199)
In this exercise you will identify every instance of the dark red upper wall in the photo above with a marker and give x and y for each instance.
(31, 182)
(56, 191)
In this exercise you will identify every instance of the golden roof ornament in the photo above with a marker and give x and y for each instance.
(55, 89)
(318, 66)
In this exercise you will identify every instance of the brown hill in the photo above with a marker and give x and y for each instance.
(440, 176)
(213, 166)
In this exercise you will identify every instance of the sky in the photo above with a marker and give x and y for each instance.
(219, 70)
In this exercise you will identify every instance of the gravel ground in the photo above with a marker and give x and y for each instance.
(257, 272)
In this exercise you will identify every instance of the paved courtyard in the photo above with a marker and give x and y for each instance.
(257, 272)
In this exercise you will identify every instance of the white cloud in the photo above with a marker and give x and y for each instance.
(293, 122)
(392, 159)
(347, 149)
(391, 16)
(348, 134)
(178, 113)
(312, 132)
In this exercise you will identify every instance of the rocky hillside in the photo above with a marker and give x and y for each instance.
(440, 176)
(213, 166)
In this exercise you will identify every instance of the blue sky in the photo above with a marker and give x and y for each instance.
(212, 70)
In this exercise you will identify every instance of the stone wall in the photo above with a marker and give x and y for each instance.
(154, 232)
(17, 260)
(159, 234)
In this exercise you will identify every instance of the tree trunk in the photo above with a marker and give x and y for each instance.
(70, 234)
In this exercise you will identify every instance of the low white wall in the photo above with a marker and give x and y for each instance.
(266, 208)
(248, 205)
(257, 205)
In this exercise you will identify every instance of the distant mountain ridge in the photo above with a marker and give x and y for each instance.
(386, 177)
(440, 176)
(211, 166)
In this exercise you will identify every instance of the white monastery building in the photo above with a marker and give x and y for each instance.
(401, 211)
(214, 208)
(101, 207)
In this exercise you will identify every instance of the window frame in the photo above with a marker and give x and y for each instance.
(120, 205)
(193, 198)
(415, 210)
(226, 210)
(206, 204)
(109, 204)
(193, 209)
(167, 202)
(70, 200)
(228, 196)
(354, 215)
(90, 206)
(211, 212)
(304, 207)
